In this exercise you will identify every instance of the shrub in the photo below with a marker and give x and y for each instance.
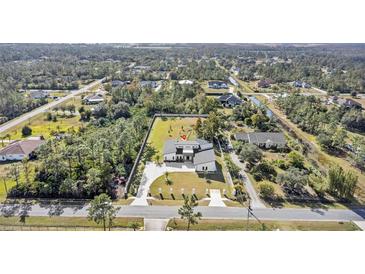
(266, 190)
(263, 171)
(26, 131)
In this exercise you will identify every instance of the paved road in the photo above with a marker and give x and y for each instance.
(167, 212)
(28, 115)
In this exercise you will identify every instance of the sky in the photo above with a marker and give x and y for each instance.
(81, 21)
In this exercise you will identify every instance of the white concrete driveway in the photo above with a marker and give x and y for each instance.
(155, 224)
(151, 172)
(216, 198)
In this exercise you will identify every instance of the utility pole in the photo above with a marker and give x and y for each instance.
(249, 209)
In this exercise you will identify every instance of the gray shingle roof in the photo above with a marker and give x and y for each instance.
(230, 99)
(204, 156)
(262, 137)
(169, 147)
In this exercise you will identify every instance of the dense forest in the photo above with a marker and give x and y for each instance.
(68, 66)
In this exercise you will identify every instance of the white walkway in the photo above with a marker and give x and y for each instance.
(360, 224)
(151, 172)
(155, 224)
(216, 198)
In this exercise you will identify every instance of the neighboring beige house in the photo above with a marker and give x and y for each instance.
(18, 150)
(199, 152)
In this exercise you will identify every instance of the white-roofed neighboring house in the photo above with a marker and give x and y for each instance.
(199, 152)
(18, 150)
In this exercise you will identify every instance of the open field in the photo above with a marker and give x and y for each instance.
(170, 128)
(229, 225)
(61, 223)
(188, 181)
(40, 126)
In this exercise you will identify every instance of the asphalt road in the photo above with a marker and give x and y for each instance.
(167, 212)
(28, 115)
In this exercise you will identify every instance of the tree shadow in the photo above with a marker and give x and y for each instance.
(8, 210)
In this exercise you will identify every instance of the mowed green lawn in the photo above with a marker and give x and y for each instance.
(229, 225)
(63, 223)
(188, 181)
(171, 128)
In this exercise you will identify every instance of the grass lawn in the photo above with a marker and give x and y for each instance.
(171, 128)
(188, 181)
(229, 225)
(123, 201)
(61, 223)
(40, 126)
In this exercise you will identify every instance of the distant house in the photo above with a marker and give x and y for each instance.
(148, 84)
(119, 83)
(300, 84)
(349, 103)
(306, 85)
(93, 99)
(233, 81)
(235, 70)
(38, 94)
(142, 67)
(199, 153)
(297, 84)
(264, 84)
(186, 82)
(18, 150)
(229, 100)
(263, 139)
(217, 85)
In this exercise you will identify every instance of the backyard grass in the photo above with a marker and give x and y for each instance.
(170, 128)
(188, 181)
(61, 223)
(231, 225)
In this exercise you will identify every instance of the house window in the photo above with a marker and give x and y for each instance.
(173, 157)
